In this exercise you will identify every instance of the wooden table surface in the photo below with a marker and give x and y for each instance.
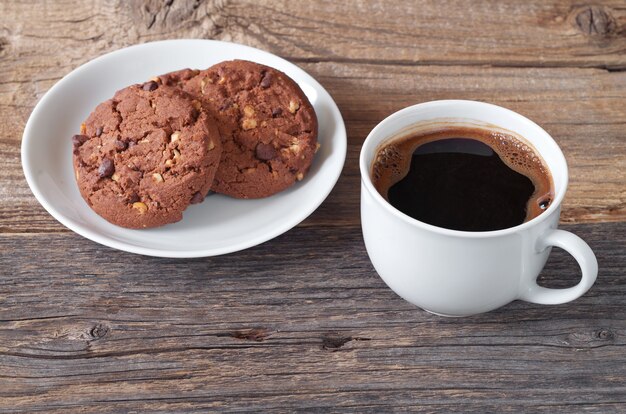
(303, 322)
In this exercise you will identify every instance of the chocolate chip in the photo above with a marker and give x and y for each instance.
(195, 114)
(150, 86)
(265, 152)
(120, 145)
(133, 198)
(197, 198)
(266, 81)
(78, 140)
(276, 112)
(98, 131)
(106, 169)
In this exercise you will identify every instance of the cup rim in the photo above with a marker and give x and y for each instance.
(366, 179)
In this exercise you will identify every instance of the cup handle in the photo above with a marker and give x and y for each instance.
(583, 254)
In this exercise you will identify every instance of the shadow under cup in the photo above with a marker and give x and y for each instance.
(457, 273)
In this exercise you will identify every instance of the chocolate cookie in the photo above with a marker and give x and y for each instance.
(268, 126)
(145, 155)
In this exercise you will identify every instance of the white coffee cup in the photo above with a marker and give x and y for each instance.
(459, 273)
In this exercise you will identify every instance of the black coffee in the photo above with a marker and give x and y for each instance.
(463, 178)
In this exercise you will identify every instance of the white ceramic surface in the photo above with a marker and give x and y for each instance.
(218, 225)
(457, 273)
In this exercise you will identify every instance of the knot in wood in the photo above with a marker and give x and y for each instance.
(254, 334)
(98, 331)
(3, 45)
(605, 335)
(333, 341)
(595, 21)
(161, 15)
(257, 335)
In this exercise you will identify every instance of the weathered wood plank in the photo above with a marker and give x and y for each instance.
(302, 323)
(350, 402)
(584, 109)
(267, 329)
(509, 33)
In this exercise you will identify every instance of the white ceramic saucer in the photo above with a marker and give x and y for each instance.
(218, 225)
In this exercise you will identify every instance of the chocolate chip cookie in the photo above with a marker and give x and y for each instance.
(268, 126)
(145, 155)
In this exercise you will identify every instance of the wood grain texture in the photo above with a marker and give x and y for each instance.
(503, 33)
(302, 322)
(265, 330)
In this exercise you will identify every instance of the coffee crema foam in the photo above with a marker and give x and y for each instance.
(393, 159)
